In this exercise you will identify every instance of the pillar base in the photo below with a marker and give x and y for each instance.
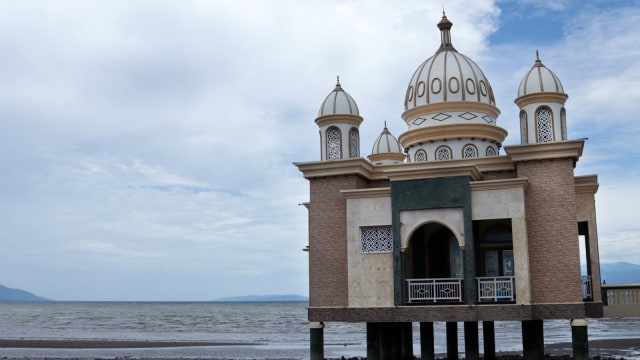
(316, 337)
(580, 339)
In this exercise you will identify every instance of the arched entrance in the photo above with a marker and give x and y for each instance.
(433, 265)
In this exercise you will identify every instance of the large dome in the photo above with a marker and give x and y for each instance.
(338, 102)
(447, 77)
(539, 79)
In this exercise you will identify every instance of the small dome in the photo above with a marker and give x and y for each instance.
(539, 79)
(447, 76)
(338, 102)
(386, 143)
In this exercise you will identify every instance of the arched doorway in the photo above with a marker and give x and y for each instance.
(433, 264)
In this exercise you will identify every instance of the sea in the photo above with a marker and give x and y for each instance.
(247, 330)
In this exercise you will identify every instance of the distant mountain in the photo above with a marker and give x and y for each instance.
(264, 298)
(620, 273)
(8, 294)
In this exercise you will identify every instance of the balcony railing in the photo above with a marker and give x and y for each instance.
(586, 288)
(434, 290)
(496, 288)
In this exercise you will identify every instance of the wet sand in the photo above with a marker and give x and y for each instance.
(107, 344)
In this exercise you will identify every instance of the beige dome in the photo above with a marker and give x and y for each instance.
(338, 102)
(447, 76)
(539, 80)
(386, 149)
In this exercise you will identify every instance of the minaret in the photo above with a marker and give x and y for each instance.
(338, 120)
(541, 100)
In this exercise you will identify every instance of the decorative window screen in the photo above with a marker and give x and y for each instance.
(354, 144)
(443, 153)
(469, 151)
(491, 151)
(421, 156)
(376, 239)
(544, 122)
(524, 134)
(333, 143)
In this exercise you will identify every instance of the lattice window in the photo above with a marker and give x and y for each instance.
(544, 124)
(421, 156)
(354, 143)
(524, 133)
(563, 123)
(333, 143)
(376, 239)
(491, 151)
(469, 151)
(443, 153)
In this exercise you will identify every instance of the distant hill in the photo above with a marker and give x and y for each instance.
(620, 273)
(264, 298)
(9, 294)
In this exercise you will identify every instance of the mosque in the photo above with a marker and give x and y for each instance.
(444, 224)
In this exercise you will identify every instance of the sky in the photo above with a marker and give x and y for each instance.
(147, 147)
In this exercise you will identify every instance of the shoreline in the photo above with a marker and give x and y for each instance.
(110, 344)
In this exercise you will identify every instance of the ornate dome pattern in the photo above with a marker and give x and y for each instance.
(338, 102)
(447, 76)
(539, 79)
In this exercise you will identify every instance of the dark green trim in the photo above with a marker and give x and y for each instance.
(438, 193)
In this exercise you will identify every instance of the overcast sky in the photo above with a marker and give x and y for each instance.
(147, 146)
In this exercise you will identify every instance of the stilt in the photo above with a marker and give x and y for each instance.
(532, 340)
(426, 341)
(452, 340)
(386, 341)
(373, 341)
(316, 330)
(471, 348)
(406, 340)
(489, 336)
(579, 338)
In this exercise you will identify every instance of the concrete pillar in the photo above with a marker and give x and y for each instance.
(489, 336)
(316, 330)
(427, 351)
(580, 340)
(532, 340)
(373, 341)
(471, 348)
(452, 340)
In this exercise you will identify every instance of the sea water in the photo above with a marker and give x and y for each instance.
(265, 330)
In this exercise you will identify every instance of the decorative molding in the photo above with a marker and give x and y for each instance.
(387, 156)
(586, 184)
(434, 169)
(357, 166)
(447, 106)
(366, 193)
(339, 119)
(541, 97)
(415, 136)
(500, 184)
(549, 150)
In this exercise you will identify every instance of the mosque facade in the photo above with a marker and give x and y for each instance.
(444, 224)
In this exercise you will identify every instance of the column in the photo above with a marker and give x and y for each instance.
(373, 341)
(489, 336)
(427, 351)
(532, 340)
(406, 340)
(471, 348)
(316, 330)
(452, 340)
(580, 340)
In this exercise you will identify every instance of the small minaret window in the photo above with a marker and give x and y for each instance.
(469, 151)
(333, 144)
(354, 143)
(491, 151)
(443, 153)
(421, 156)
(563, 123)
(524, 134)
(544, 124)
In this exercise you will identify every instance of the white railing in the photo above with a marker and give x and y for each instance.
(586, 287)
(496, 288)
(434, 289)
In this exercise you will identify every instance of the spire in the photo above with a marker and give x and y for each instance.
(445, 33)
(538, 63)
(338, 87)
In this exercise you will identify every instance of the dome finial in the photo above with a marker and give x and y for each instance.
(538, 62)
(445, 30)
